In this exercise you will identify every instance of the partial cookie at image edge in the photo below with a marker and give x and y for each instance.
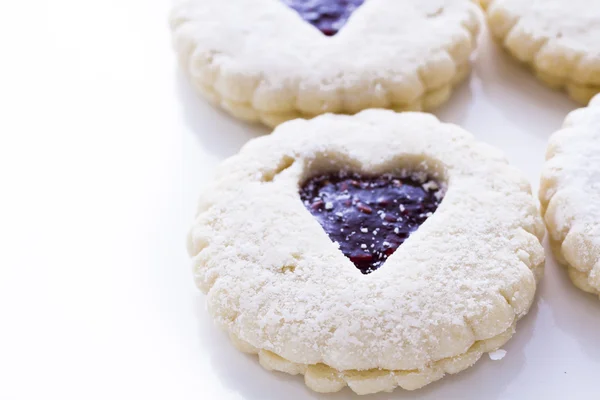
(557, 62)
(569, 197)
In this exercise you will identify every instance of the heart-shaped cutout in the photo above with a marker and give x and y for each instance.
(329, 16)
(369, 217)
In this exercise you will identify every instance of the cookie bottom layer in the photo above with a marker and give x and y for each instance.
(244, 111)
(324, 379)
(579, 278)
(578, 92)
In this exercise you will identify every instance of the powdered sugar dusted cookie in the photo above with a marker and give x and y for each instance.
(275, 60)
(570, 195)
(374, 251)
(559, 39)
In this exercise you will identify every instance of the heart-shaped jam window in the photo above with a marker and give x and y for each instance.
(369, 217)
(326, 15)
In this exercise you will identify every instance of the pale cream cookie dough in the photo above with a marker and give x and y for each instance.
(261, 61)
(286, 284)
(570, 195)
(559, 39)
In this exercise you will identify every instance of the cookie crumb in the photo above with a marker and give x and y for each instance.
(497, 355)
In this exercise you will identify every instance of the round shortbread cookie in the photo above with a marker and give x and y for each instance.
(570, 195)
(284, 284)
(260, 60)
(559, 39)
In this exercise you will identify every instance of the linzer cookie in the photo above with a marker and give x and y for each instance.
(276, 60)
(374, 251)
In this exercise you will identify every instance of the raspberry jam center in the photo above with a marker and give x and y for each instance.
(369, 217)
(327, 15)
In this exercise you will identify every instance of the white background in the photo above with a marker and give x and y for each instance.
(103, 150)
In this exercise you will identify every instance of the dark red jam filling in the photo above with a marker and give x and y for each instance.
(369, 217)
(327, 15)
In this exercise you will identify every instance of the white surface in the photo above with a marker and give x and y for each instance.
(103, 150)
